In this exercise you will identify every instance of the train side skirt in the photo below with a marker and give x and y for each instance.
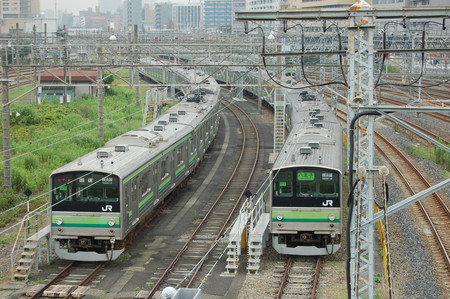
(304, 250)
(87, 256)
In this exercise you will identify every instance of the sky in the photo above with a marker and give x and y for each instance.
(72, 6)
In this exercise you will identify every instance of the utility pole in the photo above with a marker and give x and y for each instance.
(6, 123)
(360, 93)
(259, 91)
(361, 28)
(100, 91)
(16, 60)
(34, 62)
(63, 38)
(135, 69)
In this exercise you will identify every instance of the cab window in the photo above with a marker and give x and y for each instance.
(282, 185)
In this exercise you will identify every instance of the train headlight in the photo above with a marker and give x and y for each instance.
(279, 217)
(111, 222)
(59, 221)
(332, 217)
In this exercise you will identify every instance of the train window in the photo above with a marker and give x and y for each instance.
(179, 156)
(165, 167)
(97, 193)
(191, 146)
(327, 188)
(96, 188)
(112, 193)
(145, 183)
(282, 184)
(62, 185)
(62, 193)
(306, 189)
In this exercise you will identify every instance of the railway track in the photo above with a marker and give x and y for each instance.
(296, 277)
(415, 126)
(192, 259)
(438, 116)
(433, 208)
(395, 98)
(20, 77)
(70, 282)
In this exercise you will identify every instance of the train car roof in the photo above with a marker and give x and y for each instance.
(315, 139)
(127, 152)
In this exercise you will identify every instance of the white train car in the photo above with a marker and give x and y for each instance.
(306, 209)
(99, 199)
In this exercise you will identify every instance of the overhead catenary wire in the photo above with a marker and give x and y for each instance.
(39, 196)
(62, 140)
(82, 133)
(422, 64)
(302, 59)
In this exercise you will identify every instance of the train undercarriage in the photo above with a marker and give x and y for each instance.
(306, 243)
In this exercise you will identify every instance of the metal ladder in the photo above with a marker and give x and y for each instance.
(278, 126)
(151, 106)
(251, 227)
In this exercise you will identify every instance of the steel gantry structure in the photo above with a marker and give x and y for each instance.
(362, 110)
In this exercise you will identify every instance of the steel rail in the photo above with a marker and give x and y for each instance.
(285, 276)
(424, 210)
(437, 197)
(59, 276)
(415, 126)
(285, 280)
(230, 215)
(316, 277)
(438, 116)
(168, 269)
(88, 278)
(64, 272)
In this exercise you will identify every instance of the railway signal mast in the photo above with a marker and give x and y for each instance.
(362, 110)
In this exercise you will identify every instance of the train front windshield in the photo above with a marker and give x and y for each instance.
(306, 187)
(83, 192)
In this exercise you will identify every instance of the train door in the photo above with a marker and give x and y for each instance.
(155, 181)
(192, 151)
(133, 202)
(172, 164)
(179, 162)
(165, 174)
(145, 194)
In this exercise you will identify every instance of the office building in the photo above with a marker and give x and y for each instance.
(132, 14)
(187, 16)
(218, 15)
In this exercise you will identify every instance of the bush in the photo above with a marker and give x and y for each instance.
(42, 157)
(442, 157)
(19, 179)
(87, 142)
(71, 121)
(8, 199)
(24, 115)
(30, 162)
(87, 111)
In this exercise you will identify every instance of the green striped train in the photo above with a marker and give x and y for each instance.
(306, 179)
(99, 199)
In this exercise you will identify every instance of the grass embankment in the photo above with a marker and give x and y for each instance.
(47, 136)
